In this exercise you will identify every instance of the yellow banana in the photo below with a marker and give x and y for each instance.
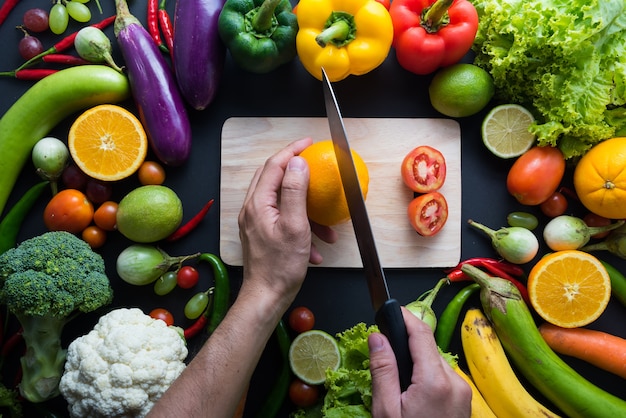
(492, 373)
(480, 409)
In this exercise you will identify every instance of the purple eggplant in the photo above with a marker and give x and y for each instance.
(199, 53)
(161, 107)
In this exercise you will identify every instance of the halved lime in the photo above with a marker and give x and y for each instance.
(505, 130)
(311, 354)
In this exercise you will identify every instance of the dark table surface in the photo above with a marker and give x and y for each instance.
(338, 297)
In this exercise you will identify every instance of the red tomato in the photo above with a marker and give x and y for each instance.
(301, 319)
(187, 277)
(536, 175)
(105, 216)
(162, 314)
(428, 213)
(555, 205)
(68, 210)
(94, 236)
(591, 219)
(151, 172)
(424, 169)
(302, 394)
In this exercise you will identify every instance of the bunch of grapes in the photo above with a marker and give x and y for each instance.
(62, 10)
(36, 21)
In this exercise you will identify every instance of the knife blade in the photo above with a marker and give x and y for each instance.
(388, 314)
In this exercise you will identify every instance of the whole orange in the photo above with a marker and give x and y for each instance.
(326, 202)
(600, 179)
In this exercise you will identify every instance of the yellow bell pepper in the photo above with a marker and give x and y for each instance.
(343, 36)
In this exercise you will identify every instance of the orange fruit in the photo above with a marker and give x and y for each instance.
(107, 142)
(600, 179)
(326, 202)
(569, 288)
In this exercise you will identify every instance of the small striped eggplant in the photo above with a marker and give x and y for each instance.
(161, 107)
(199, 54)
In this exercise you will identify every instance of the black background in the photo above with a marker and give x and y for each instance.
(338, 297)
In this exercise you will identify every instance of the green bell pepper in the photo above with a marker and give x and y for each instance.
(260, 34)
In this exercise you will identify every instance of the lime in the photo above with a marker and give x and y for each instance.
(311, 354)
(505, 130)
(149, 213)
(461, 90)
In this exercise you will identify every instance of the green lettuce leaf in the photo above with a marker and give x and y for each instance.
(564, 60)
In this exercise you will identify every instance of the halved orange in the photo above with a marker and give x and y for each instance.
(569, 288)
(107, 142)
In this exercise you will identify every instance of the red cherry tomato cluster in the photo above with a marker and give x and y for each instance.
(424, 171)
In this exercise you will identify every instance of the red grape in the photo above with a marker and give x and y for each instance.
(29, 47)
(98, 191)
(74, 178)
(36, 20)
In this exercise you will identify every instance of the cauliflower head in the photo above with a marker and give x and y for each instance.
(122, 366)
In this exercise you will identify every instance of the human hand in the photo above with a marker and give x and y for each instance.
(435, 389)
(274, 228)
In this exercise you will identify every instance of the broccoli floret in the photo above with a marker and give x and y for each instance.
(45, 282)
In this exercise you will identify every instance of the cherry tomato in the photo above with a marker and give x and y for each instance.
(151, 172)
(94, 236)
(536, 175)
(555, 205)
(301, 319)
(591, 219)
(302, 394)
(105, 216)
(68, 210)
(424, 169)
(162, 314)
(187, 277)
(428, 213)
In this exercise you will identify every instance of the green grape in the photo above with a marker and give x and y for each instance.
(81, 1)
(197, 304)
(78, 11)
(58, 19)
(165, 284)
(522, 219)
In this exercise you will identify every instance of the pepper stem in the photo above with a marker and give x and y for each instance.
(339, 30)
(263, 19)
(436, 16)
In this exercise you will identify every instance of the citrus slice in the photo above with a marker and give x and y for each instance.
(505, 130)
(311, 354)
(107, 142)
(569, 288)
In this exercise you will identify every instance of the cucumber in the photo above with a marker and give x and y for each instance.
(543, 368)
(44, 105)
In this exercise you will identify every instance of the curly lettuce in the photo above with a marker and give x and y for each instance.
(564, 60)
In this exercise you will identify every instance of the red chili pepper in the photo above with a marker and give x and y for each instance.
(505, 266)
(29, 74)
(152, 22)
(429, 34)
(457, 275)
(6, 8)
(496, 271)
(65, 59)
(196, 327)
(166, 26)
(191, 224)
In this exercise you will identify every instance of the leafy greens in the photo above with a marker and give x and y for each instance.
(563, 59)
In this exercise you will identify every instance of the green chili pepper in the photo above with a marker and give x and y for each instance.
(221, 298)
(277, 395)
(618, 282)
(260, 34)
(12, 222)
(450, 316)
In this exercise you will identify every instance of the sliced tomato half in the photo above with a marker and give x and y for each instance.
(424, 169)
(428, 213)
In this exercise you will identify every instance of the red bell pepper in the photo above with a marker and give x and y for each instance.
(429, 34)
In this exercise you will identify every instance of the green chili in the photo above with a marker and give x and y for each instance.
(221, 298)
(450, 316)
(277, 395)
(618, 282)
(12, 222)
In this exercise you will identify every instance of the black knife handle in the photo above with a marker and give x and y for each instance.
(391, 324)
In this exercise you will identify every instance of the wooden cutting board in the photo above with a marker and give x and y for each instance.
(382, 142)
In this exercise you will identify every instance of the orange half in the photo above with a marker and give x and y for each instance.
(108, 142)
(569, 288)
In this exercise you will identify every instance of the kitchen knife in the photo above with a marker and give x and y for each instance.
(388, 314)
